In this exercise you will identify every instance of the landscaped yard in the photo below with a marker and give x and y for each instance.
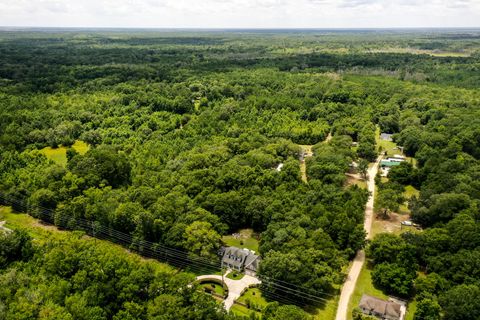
(243, 311)
(253, 297)
(59, 155)
(215, 287)
(245, 239)
(384, 145)
(364, 285)
(234, 275)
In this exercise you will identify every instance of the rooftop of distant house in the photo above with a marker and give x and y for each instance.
(379, 308)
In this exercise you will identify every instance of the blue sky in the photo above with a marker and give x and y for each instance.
(241, 13)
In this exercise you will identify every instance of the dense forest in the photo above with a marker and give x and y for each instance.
(185, 133)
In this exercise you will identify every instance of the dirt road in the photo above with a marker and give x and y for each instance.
(308, 152)
(357, 264)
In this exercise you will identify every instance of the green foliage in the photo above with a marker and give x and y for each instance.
(393, 278)
(461, 302)
(14, 246)
(77, 279)
(427, 309)
(186, 133)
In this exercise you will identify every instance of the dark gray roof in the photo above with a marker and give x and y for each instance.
(388, 309)
(240, 258)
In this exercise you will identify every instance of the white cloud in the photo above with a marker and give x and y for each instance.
(241, 13)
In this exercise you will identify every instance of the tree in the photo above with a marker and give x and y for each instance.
(404, 174)
(393, 278)
(461, 303)
(427, 309)
(201, 239)
(385, 247)
(388, 200)
(363, 168)
(16, 245)
(367, 151)
(102, 165)
(273, 311)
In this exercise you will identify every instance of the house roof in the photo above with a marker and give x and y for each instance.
(387, 163)
(241, 258)
(379, 306)
(386, 136)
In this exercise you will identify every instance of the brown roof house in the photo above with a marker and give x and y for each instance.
(385, 310)
(242, 260)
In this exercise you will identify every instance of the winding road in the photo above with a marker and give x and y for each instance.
(349, 285)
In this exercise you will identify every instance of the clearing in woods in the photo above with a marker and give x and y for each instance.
(59, 155)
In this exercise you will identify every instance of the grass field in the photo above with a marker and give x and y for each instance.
(59, 155)
(246, 240)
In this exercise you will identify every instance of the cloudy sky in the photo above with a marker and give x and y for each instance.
(241, 13)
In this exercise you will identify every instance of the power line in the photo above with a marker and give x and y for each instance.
(280, 290)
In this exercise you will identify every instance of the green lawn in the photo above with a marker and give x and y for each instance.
(254, 295)
(234, 275)
(217, 288)
(59, 155)
(247, 240)
(243, 311)
(328, 311)
(388, 146)
(410, 191)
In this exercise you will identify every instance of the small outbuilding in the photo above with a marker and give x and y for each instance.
(386, 136)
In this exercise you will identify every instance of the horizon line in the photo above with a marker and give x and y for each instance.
(241, 28)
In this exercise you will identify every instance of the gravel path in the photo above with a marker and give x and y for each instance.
(357, 264)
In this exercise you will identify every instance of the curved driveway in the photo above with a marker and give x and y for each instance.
(235, 287)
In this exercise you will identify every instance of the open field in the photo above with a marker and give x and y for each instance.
(246, 239)
(59, 155)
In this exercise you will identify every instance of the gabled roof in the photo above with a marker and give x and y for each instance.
(240, 258)
(379, 306)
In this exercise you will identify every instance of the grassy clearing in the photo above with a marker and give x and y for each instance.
(352, 181)
(364, 285)
(59, 155)
(328, 311)
(246, 239)
(244, 311)
(383, 145)
(410, 192)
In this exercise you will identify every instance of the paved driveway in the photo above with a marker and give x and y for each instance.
(235, 287)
